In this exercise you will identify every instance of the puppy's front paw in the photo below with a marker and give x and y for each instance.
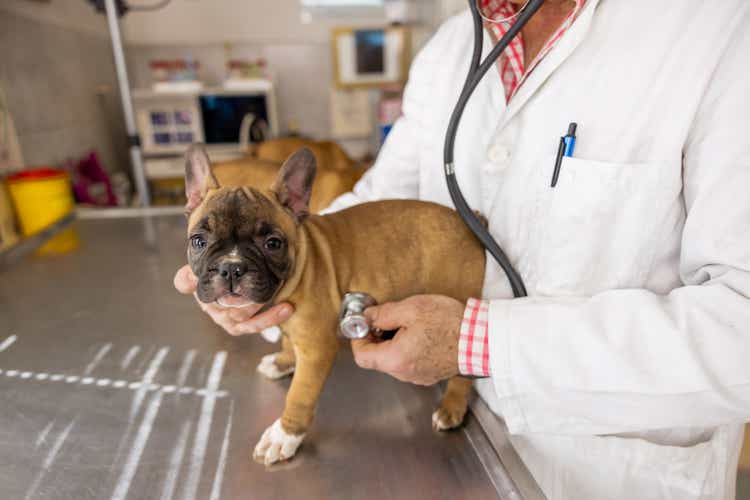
(270, 368)
(276, 445)
(272, 334)
(445, 418)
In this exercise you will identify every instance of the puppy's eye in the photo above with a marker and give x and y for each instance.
(273, 243)
(198, 242)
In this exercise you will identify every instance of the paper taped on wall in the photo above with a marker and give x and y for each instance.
(351, 114)
(10, 150)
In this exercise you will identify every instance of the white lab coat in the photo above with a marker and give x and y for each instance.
(626, 372)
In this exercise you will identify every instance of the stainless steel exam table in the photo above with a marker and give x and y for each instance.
(112, 385)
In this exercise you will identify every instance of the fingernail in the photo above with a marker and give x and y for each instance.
(285, 312)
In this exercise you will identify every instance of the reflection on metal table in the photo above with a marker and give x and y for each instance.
(112, 385)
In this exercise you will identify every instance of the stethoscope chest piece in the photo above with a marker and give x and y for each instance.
(352, 322)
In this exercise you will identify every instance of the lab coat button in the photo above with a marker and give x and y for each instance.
(498, 154)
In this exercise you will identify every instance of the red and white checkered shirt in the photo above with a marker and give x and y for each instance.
(511, 61)
(473, 342)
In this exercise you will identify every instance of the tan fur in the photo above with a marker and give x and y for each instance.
(389, 249)
(454, 404)
(285, 359)
(328, 154)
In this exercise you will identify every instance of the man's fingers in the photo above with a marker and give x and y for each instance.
(241, 320)
(226, 324)
(373, 355)
(391, 315)
(240, 315)
(185, 281)
(364, 354)
(273, 317)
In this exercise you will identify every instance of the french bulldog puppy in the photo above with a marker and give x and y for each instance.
(260, 245)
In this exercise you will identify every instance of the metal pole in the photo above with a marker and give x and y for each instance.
(136, 159)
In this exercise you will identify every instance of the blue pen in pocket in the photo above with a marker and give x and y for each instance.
(567, 148)
(570, 139)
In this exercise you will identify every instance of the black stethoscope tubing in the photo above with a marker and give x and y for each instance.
(476, 71)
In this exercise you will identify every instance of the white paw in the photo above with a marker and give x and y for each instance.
(276, 445)
(437, 422)
(441, 421)
(267, 367)
(272, 334)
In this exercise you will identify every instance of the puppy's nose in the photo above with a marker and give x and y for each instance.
(232, 271)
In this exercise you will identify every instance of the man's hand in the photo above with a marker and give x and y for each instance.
(425, 349)
(236, 321)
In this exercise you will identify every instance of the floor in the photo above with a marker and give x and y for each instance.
(112, 385)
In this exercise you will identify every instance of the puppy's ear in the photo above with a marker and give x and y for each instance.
(294, 182)
(198, 176)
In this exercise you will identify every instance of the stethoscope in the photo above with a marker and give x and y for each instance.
(352, 322)
(477, 70)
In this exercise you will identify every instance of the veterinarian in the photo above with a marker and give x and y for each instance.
(626, 372)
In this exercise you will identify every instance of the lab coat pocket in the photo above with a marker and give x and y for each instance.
(661, 471)
(622, 468)
(599, 225)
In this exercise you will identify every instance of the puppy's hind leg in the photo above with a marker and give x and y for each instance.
(450, 414)
(280, 364)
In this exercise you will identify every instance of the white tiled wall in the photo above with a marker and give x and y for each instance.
(60, 86)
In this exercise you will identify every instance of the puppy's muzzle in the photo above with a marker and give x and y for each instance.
(231, 272)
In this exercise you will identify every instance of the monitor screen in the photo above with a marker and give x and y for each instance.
(370, 47)
(223, 114)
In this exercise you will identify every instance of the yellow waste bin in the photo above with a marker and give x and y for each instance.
(41, 197)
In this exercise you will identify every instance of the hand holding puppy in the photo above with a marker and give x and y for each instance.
(425, 349)
(236, 321)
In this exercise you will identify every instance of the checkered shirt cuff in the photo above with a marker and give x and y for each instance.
(473, 340)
